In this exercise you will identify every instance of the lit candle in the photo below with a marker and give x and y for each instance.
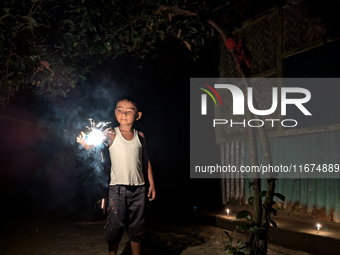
(318, 227)
(228, 211)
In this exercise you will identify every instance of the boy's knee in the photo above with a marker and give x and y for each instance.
(113, 238)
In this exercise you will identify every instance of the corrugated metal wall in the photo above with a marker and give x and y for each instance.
(319, 148)
(232, 189)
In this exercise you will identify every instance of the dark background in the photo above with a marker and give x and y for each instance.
(44, 172)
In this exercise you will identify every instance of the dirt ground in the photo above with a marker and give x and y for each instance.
(62, 237)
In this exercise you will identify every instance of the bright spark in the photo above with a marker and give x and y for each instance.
(97, 134)
(95, 138)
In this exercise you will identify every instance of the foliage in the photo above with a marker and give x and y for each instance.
(239, 249)
(49, 45)
(257, 232)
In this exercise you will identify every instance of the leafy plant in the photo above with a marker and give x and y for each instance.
(50, 45)
(236, 248)
(257, 232)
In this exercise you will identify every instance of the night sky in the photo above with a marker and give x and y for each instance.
(43, 170)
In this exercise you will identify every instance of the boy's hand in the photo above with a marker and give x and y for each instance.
(152, 193)
(81, 139)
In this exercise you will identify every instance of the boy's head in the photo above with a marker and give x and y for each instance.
(126, 112)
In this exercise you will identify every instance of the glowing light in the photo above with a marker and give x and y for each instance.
(103, 203)
(96, 137)
(228, 211)
(97, 134)
(318, 226)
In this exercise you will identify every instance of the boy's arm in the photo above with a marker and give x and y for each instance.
(146, 162)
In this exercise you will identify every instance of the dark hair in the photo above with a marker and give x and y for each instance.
(130, 99)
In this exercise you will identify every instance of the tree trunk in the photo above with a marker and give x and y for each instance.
(260, 218)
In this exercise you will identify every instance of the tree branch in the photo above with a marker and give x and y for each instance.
(32, 12)
(176, 10)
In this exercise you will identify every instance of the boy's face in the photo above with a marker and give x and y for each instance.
(126, 113)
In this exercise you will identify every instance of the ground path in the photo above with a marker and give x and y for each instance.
(61, 237)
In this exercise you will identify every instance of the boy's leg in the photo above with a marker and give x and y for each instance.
(135, 248)
(136, 225)
(115, 222)
(113, 249)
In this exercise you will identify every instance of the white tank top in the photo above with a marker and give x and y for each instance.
(126, 160)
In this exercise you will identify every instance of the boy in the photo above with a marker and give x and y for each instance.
(128, 154)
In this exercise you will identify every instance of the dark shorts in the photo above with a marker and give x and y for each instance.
(126, 209)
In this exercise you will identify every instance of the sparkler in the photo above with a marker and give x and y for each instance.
(97, 134)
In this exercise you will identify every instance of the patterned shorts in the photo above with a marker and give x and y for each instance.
(126, 210)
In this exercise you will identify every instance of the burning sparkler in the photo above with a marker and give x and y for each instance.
(97, 134)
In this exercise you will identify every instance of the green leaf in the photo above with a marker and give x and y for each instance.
(144, 11)
(280, 196)
(273, 223)
(33, 22)
(83, 22)
(4, 16)
(199, 41)
(101, 48)
(22, 65)
(201, 26)
(186, 20)
(68, 21)
(90, 25)
(96, 37)
(242, 227)
(272, 210)
(192, 30)
(7, 10)
(226, 232)
(255, 230)
(262, 193)
(93, 49)
(248, 217)
(183, 34)
(82, 77)
(242, 214)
